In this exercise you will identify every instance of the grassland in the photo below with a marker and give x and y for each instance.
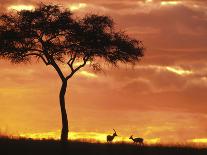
(52, 147)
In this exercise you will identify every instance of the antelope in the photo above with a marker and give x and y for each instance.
(137, 140)
(110, 138)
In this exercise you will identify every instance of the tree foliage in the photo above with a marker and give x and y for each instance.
(54, 35)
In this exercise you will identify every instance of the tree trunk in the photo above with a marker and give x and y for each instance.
(64, 132)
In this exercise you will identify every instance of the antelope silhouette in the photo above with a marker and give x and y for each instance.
(111, 137)
(137, 140)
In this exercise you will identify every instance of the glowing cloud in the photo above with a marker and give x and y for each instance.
(80, 63)
(87, 74)
(164, 3)
(20, 7)
(148, 1)
(199, 140)
(77, 6)
(179, 71)
(173, 69)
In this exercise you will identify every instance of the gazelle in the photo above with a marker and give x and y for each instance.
(137, 140)
(110, 138)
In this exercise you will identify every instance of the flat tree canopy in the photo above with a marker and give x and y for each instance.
(52, 34)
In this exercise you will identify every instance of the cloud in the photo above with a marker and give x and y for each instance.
(20, 7)
(187, 30)
(152, 99)
(88, 74)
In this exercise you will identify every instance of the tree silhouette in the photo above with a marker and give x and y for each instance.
(50, 33)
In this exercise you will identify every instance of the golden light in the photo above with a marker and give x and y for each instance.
(173, 69)
(165, 3)
(179, 71)
(84, 136)
(88, 74)
(153, 141)
(47, 135)
(20, 7)
(80, 63)
(77, 6)
(149, 1)
(199, 140)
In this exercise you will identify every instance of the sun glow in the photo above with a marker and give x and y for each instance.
(165, 3)
(199, 140)
(154, 140)
(21, 7)
(80, 63)
(88, 74)
(179, 71)
(173, 69)
(84, 136)
(149, 1)
(77, 6)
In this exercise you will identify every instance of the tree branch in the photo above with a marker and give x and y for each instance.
(51, 60)
(55, 36)
(40, 56)
(71, 61)
(85, 59)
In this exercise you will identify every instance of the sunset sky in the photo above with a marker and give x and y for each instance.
(162, 99)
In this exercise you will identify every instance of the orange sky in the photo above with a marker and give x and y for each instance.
(163, 97)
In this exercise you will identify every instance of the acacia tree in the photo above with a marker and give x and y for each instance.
(50, 33)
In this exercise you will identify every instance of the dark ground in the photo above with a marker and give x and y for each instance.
(52, 147)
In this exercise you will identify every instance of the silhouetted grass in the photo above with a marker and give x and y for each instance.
(53, 147)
